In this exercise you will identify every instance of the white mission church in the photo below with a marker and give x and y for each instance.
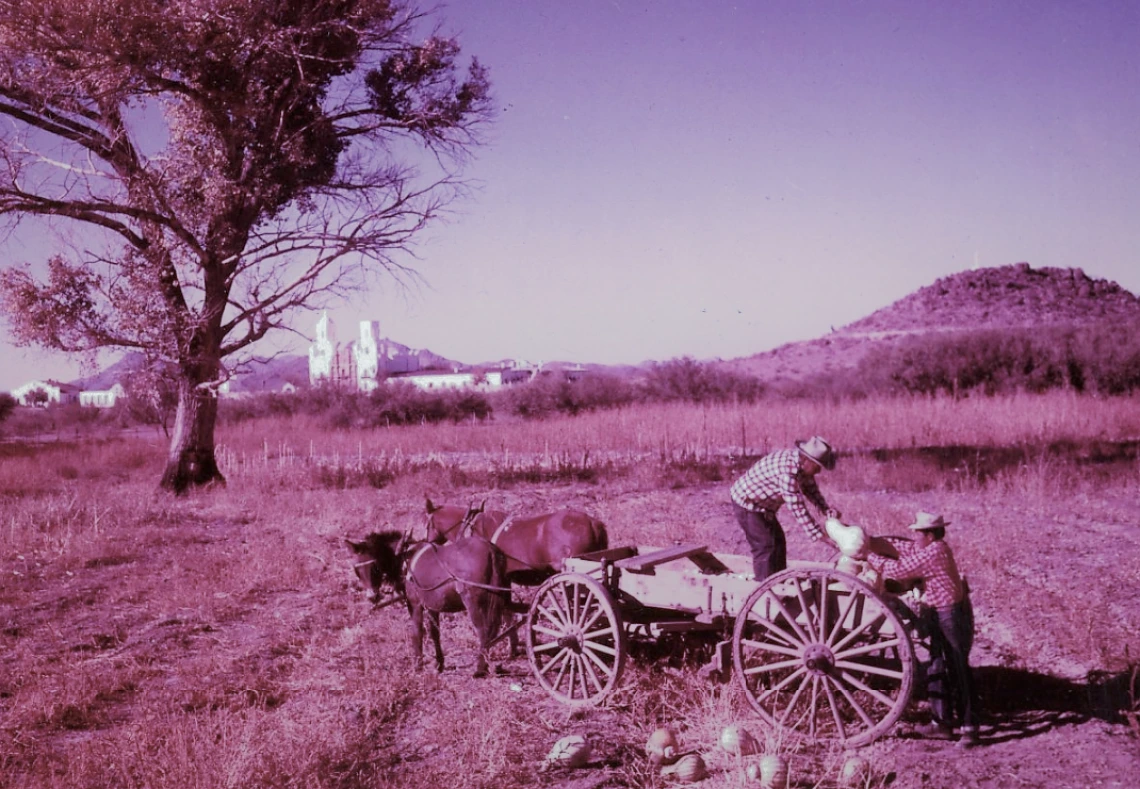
(368, 361)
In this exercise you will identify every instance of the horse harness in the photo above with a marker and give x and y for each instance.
(417, 550)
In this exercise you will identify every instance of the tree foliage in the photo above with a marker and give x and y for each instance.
(230, 162)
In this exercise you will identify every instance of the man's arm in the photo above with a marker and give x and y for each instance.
(790, 490)
(811, 490)
(912, 563)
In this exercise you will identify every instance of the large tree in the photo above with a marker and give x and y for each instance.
(229, 162)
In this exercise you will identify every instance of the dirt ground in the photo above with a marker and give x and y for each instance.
(1054, 616)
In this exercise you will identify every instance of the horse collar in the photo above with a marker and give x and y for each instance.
(411, 562)
(499, 531)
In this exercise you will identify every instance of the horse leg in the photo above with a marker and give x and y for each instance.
(484, 612)
(417, 615)
(433, 631)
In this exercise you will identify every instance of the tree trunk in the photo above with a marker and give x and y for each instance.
(191, 460)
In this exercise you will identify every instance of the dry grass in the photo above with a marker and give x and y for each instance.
(676, 429)
(218, 641)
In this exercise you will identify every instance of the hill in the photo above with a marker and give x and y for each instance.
(1005, 297)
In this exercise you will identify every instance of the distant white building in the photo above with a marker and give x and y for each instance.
(46, 392)
(102, 399)
(363, 363)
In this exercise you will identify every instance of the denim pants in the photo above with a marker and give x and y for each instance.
(950, 680)
(766, 540)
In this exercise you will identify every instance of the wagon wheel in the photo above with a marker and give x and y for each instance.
(819, 652)
(574, 640)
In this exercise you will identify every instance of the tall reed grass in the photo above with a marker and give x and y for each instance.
(746, 429)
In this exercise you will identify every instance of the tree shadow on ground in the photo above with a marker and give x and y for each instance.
(1017, 703)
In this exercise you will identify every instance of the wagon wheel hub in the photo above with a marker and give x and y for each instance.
(818, 659)
(572, 642)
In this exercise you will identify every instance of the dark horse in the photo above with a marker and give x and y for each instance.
(535, 546)
(433, 579)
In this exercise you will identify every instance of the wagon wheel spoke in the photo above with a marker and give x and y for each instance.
(879, 671)
(839, 727)
(589, 647)
(549, 631)
(603, 666)
(768, 668)
(783, 683)
(860, 630)
(796, 697)
(791, 620)
(775, 648)
(594, 617)
(844, 670)
(882, 698)
(867, 649)
(558, 661)
(858, 708)
(575, 640)
(812, 731)
(837, 627)
(810, 625)
(554, 613)
(824, 607)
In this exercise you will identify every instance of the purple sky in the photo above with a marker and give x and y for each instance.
(713, 179)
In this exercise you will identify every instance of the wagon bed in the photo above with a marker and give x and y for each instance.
(815, 649)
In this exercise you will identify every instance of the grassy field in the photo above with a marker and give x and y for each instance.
(219, 640)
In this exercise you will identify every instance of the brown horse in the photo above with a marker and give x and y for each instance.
(535, 546)
(469, 573)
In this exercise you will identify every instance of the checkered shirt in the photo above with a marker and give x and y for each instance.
(934, 564)
(775, 480)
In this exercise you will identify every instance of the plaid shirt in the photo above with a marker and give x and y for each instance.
(776, 479)
(934, 564)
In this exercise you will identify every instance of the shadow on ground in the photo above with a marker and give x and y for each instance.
(1018, 703)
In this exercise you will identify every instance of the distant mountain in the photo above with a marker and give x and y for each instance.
(109, 376)
(1005, 297)
(270, 375)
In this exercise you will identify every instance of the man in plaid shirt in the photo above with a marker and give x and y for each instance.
(949, 618)
(786, 476)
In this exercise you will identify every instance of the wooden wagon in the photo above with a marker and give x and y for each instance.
(815, 650)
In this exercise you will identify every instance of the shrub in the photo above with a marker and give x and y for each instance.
(7, 405)
(553, 393)
(691, 381)
(1101, 358)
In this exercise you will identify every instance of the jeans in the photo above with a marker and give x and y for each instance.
(950, 680)
(766, 540)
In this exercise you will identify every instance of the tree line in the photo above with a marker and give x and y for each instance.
(1101, 359)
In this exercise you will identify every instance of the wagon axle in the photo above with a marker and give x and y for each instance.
(571, 642)
(818, 659)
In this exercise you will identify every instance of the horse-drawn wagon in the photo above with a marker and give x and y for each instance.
(815, 649)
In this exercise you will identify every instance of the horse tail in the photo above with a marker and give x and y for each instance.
(601, 536)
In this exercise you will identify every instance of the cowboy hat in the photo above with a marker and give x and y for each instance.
(818, 450)
(924, 521)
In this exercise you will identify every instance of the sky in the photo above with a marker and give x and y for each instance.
(714, 179)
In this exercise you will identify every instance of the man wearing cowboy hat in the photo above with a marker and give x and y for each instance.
(786, 476)
(949, 617)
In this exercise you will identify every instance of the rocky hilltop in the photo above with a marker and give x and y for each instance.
(1004, 297)
(1008, 296)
